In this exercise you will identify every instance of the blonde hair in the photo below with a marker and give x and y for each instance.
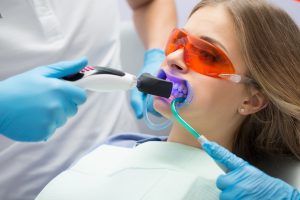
(270, 45)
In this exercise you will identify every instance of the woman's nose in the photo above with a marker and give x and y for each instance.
(175, 61)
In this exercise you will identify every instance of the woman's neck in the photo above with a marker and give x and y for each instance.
(179, 135)
(222, 136)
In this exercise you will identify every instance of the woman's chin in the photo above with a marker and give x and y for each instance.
(162, 106)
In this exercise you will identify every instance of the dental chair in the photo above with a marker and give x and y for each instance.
(132, 59)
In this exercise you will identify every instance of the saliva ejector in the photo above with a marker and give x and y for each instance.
(105, 79)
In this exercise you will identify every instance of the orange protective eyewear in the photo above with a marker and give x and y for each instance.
(203, 57)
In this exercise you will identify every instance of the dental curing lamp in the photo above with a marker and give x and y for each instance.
(105, 79)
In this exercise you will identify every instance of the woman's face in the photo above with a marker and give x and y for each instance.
(215, 102)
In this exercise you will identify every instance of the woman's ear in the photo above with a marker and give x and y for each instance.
(255, 102)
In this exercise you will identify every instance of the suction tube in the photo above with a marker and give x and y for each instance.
(188, 127)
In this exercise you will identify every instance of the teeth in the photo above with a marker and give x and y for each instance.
(179, 90)
(175, 93)
(181, 87)
(175, 86)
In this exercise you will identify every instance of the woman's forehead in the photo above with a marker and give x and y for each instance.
(212, 21)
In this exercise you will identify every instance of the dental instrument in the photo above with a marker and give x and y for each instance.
(105, 79)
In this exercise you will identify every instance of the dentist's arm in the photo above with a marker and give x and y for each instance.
(34, 104)
(244, 181)
(154, 20)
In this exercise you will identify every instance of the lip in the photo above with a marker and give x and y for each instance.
(181, 87)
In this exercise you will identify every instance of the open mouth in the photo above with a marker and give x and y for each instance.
(181, 88)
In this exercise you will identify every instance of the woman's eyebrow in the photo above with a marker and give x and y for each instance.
(213, 41)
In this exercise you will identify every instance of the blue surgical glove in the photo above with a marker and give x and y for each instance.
(244, 181)
(33, 104)
(153, 58)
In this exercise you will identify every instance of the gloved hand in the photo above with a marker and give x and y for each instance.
(33, 104)
(153, 58)
(244, 181)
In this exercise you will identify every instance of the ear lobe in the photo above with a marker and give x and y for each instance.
(256, 102)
